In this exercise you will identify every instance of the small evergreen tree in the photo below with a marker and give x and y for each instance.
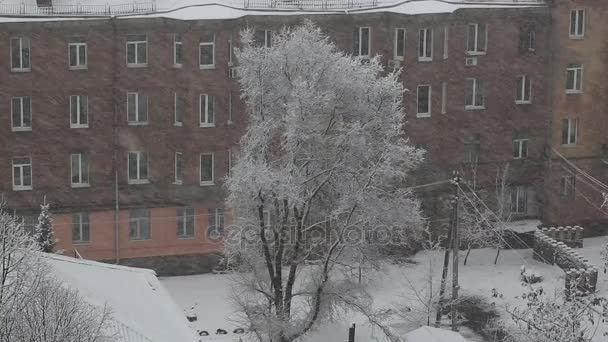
(44, 230)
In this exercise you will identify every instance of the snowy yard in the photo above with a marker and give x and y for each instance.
(392, 288)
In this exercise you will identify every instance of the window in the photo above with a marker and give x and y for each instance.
(425, 45)
(178, 108)
(207, 111)
(137, 109)
(177, 50)
(215, 227)
(81, 228)
(137, 50)
(567, 186)
(20, 54)
(22, 173)
(476, 39)
(79, 111)
(531, 40)
(185, 222)
(77, 51)
(577, 23)
(230, 161)
(139, 224)
(472, 149)
(524, 89)
(207, 51)
(361, 41)
(446, 37)
(527, 37)
(399, 43)
(80, 170)
(474, 94)
(424, 101)
(518, 200)
(231, 54)
(444, 97)
(569, 131)
(138, 167)
(179, 168)
(206, 169)
(230, 108)
(263, 38)
(520, 148)
(21, 109)
(574, 78)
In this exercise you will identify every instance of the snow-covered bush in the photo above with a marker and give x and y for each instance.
(529, 276)
(320, 176)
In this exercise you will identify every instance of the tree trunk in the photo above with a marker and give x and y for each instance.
(444, 275)
(497, 254)
(466, 257)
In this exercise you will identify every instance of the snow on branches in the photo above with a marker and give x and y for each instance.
(318, 183)
(44, 230)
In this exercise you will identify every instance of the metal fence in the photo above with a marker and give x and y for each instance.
(78, 9)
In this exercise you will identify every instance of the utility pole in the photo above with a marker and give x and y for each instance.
(455, 249)
(444, 275)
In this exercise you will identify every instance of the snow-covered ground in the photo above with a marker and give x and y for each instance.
(393, 287)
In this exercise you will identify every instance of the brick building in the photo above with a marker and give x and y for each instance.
(126, 119)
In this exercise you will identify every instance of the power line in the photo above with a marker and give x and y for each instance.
(584, 173)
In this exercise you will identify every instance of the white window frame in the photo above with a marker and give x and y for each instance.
(567, 186)
(477, 51)
(212, 44)
(80, 227)
(576, 70)
(230, 108)
(573, 124)
(175, 102)
(21, 166)
(77, 46)
(475, 90)
(138, 180)
(446, 43)
(444, 97)
(520, 98)
(531, 40)
(576, 34)
(369, 41)
(137, 63)
(176, 180)
(138, 221)
(520, 195)
(396, 44)
(200, 169)
(520, 148)
(21, 127)
(204, 117)
(79, 115)
(81, 170)
(425, 114)
(177, 43)
(138, 121)
(182, 231)
(424, 58)
(21, 68)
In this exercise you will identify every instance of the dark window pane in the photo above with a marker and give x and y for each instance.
(131, 53)
(16, 111)
(142, 57)
(206, 54)
(16, 53)
(73, 55)
(132, 165)
(356, 42)
(365, 41)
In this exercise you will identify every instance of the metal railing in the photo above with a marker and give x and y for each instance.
(309, 4)
(78, 9)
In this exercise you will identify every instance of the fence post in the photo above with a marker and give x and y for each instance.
(351, 333)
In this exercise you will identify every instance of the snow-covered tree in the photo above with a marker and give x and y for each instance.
(44, 230)
(34, 306)
(318, 184)
(556, 318)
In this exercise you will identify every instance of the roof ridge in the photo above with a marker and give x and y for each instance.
(94, 263)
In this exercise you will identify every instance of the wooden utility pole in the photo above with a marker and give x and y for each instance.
(444, 275)
(455, 249)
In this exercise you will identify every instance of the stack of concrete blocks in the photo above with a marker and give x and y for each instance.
(556, 245)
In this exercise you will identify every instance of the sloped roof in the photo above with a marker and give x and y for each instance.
(140, 305)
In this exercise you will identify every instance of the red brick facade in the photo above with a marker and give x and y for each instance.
(110, 198)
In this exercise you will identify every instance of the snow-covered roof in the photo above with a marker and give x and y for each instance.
(27, 10)
(431, 334)
(141, 307)
(523, 226)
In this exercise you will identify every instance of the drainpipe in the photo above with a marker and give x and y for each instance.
(115, 143)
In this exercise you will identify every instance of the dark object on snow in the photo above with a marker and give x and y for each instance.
(191, 318)
(239, 331)
(221, 332)
(203, 333)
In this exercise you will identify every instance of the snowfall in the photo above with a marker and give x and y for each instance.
(207, 296)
